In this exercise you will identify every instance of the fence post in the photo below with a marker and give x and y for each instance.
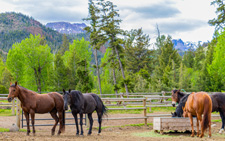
(163, 94)
(13, 107)
(145, 111)
(18, 115)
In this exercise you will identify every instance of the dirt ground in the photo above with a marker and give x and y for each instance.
(112, 133)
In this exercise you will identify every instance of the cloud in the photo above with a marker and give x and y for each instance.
(158, 10)
(181, 25)
(53, 10)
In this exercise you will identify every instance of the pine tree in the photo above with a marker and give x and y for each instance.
(96, 37)
(137, 53)
(112, 31)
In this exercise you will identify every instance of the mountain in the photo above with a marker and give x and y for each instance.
(67, 28)
(179, 45)
(182, 46)
(14, 27)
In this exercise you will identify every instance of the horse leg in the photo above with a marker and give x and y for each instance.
(223, 120)
(199, 118)
(191, 121)
(32, 113)
(91, 123)
(210, 134)
(55, 117)
(60, 114)
(76, 122)
(27, 119)
(81, 124)
(99, 121)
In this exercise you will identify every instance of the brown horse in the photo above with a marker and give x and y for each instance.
(32, 103)
(198, 104)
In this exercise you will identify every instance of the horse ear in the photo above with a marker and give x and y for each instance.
(179, 90)
(10, 83)
(63, 91)
(16, 83)
(69, 90)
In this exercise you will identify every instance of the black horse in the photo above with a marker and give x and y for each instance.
(84, 104)
(179, 108)
(218, 104)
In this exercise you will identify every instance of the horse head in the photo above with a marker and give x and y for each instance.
(13, 91)
(66, 99)
(174, 97)
(174, 114)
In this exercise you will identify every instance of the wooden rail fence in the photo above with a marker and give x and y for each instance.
(142, 101)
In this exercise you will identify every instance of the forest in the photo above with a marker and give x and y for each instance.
(130, 64)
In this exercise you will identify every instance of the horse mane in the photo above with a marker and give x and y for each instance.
(77, 98)
(181, 104)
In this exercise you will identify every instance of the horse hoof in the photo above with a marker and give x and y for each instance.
(99, 134)
(209, 136)
(221, 131)
(192, 135)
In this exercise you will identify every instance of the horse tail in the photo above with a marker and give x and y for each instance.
(100, 104)
(207, 112)
(104, 110)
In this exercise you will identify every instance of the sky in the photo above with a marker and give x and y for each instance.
(181, 19)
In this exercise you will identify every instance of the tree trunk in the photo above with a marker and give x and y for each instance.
(114, 77)
(99, 80)
(121, 67)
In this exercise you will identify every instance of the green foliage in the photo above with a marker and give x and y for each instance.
(220, 10)
(216, 70)
(3, 90)
(137, 54)
(30, 63)
(77, 60)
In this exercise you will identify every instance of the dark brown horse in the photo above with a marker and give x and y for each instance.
(32, 103)
(84, 104)
(199, 104)
(218, 104)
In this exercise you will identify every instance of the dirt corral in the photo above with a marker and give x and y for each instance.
(112, 130)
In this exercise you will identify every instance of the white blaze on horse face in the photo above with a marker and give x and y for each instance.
(173, 103)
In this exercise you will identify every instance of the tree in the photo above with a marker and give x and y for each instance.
(61, 73)
(65, 45)
(165, 74)
(35, 58)
(112, 31)
(188, 58)
(77, 59)
(220, 20)
(96, 38)
(137, 53)
(216, 69)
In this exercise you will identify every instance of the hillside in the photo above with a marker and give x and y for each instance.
(15, 27)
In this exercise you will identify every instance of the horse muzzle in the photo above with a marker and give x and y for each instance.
(65, 107)
(10, 99)
(173, 103)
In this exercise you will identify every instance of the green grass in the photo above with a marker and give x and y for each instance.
(6, 112)
(216, 120)
(127, 125)
(151, 134)
(7, 130)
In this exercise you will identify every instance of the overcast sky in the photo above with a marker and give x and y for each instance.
(185, 19)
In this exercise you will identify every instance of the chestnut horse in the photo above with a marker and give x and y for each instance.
(198, 104)
(32, 103)
(218, 104)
